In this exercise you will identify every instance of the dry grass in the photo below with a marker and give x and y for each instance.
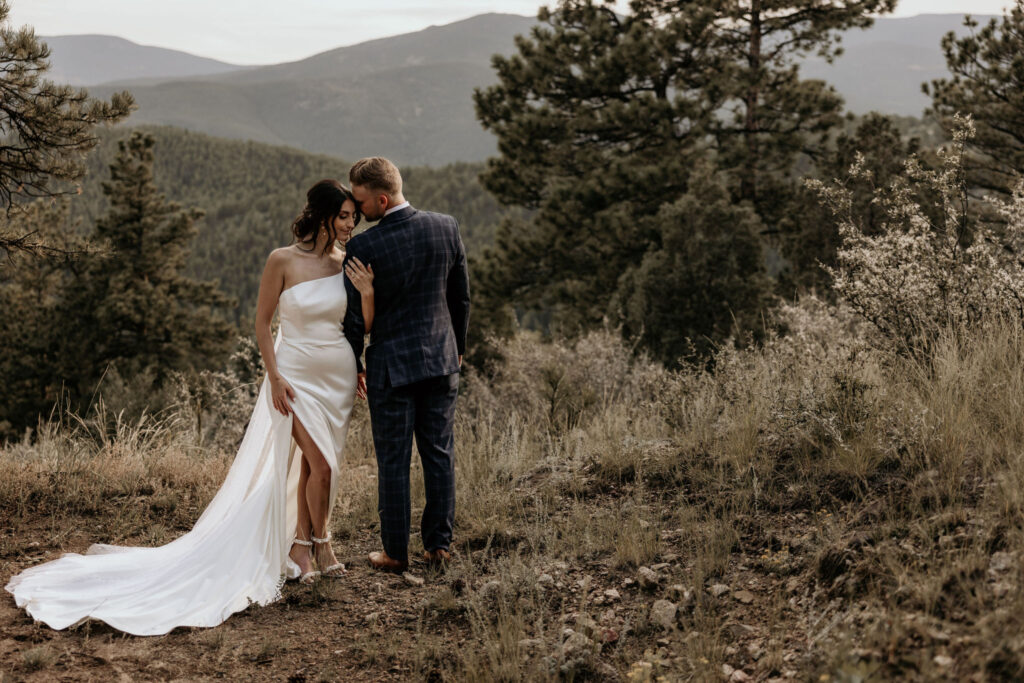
(814, 508)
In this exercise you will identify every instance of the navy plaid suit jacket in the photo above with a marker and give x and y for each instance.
(421, 296)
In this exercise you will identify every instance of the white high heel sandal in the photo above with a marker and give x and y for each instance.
(335, 570)
(308, 577)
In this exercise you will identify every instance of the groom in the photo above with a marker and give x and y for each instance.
(417, 339)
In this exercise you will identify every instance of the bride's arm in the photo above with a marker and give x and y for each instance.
(271, 285)
(362, 278)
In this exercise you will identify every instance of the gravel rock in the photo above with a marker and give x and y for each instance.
(664, 613)
(612, 594)
(413, 580)
(577, 646)
(746, 597)
(546, 581)
(647, 578)
(719, 589)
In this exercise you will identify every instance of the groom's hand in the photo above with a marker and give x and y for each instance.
(361, 385)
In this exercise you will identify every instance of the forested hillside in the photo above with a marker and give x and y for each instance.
(250, 193)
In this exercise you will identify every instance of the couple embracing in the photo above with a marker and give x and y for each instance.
(405, 283)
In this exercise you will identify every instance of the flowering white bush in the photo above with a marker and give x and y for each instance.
(926, 270)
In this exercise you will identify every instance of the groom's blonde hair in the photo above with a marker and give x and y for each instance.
(377, 174)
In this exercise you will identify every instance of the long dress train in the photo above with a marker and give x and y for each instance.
(237, 552)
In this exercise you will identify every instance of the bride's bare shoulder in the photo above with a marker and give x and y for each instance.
(281, 255)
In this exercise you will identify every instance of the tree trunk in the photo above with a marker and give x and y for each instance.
(751, 124)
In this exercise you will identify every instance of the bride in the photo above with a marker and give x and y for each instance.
(269, 519)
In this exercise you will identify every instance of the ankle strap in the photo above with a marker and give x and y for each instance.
(299, 541)
(321, 540)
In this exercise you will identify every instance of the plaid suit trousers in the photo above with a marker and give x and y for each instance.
(424, 410)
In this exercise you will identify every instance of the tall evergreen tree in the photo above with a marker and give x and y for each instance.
(987, 82)
(31, 324)
(137, 309)
(47, 129)
(600, 119)
(774, 115)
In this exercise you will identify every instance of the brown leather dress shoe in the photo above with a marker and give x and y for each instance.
(437, 558)
(380, 560)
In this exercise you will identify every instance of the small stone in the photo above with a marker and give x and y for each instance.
(627, 582)
(660, 567)
(739, 676)
(609, 635)
(746, 597)
(545, 581)
(561, 566)
(577, 645)
(727, 670)
(612, 595)
(412, 579)
(943, 660)
(647, 578)
(663, 613)
(719, 589)
(671, 557)
(372, 618)
(1001, 562)
(531, 645)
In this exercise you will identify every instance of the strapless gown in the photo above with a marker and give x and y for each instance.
(237, 552)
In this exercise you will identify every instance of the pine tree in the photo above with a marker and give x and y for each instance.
(775, 116)
(598, 118)
(601, 118)
(987, 82)
(47, 129)
(138, 311)
(31, 325)
(704, 284)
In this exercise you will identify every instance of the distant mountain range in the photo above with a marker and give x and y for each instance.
(409, 96)
(92, 59)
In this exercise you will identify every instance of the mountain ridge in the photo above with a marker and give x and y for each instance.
(409, 96)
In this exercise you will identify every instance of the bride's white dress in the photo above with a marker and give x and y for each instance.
(237, 553)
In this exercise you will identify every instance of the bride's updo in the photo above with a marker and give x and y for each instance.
(323, 203)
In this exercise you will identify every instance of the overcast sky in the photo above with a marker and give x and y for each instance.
(271, 31)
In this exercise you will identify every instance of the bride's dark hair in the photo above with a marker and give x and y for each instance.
(323, 203)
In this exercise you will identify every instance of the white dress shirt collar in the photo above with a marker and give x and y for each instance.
(396, 208)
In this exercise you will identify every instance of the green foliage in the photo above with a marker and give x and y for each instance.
(133, 306)
(774, 115)
(47, 128)
(601, 118)
(917, 273)
(809, 234)
(250, 193)
(702, 283)
(30, 326)
(987, 82)
(596, 121)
